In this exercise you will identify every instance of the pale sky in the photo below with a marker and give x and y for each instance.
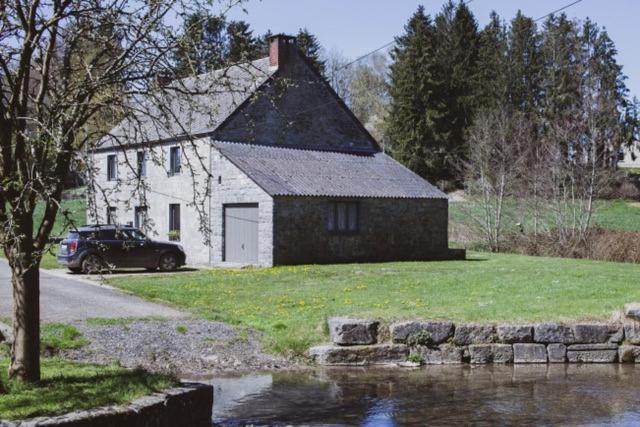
(355, 27)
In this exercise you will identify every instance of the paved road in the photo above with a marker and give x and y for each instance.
(63, 299)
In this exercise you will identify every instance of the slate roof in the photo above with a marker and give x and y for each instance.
(193, 106)
(296, 172)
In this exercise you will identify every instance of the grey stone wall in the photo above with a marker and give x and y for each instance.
(231, 185)
(441, 342)
(296, 108)
(389, 230)
(188, 405)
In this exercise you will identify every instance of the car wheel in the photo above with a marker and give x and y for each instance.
(168, 262)
(91, 264)
(75, 270)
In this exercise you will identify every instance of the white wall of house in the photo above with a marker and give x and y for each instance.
(630, 156)
(232, 186)
(164, 189)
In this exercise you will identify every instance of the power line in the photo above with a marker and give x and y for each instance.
(558, 10)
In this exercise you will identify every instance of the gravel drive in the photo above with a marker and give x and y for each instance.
(185, 347)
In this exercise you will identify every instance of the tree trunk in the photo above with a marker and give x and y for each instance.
(25, 352)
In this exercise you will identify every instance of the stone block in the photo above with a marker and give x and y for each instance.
(529, 353)
(553, 333)
(346, 331)
(490, 353)
(629, 354)
(511, 334)
(474, 334)
(632, 332)
(632, 310)
(557, 353)
(592, 353)
(359, 355)
(446, 354)
(439, 331)
(593, 333)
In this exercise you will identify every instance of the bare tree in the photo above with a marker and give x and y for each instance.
(493, 170)
(66, 68)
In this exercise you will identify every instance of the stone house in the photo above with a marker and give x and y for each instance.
(629, 156)
(293, 177)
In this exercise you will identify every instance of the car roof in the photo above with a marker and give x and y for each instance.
(94, 227)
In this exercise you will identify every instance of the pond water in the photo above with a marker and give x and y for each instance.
(435, 395)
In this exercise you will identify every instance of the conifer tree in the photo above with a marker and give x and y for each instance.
(310, 46)
(490, 80)
(524, 64)
(413, 111)
(202, 45)
(242, 46)
(457, 56)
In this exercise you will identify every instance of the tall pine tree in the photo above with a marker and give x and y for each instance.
(490, 81)
(242, 46)
(414, 110)
(524, 65)
(457, 56)
(310, 46)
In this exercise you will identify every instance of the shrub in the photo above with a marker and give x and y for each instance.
(414, 358)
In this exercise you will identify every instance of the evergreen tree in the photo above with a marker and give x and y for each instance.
(456, 56)
(561, 72)
(202, 45)
(311, 48)
(414, 110)
(524, 64)
(490, 80)
(242, 45)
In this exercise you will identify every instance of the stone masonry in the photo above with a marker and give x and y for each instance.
(358, 342)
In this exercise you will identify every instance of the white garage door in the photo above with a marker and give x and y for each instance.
(241, 233)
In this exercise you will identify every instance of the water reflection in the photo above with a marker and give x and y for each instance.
(435, 395)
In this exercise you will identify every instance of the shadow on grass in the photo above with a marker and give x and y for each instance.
(67, 386)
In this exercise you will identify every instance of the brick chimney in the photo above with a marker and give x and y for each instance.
(281, 49)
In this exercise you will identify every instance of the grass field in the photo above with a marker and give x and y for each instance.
(68, 386)
(609, 214)
(290, 304)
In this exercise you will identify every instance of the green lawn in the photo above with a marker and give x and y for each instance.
(68, 386)
(290, 304)
(609, 214)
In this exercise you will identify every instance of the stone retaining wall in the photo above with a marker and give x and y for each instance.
(190, 404)
(359, 342)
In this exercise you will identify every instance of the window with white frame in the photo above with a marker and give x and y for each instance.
(174, 160)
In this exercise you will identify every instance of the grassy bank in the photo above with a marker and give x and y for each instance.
(68, 386)
(290, 304)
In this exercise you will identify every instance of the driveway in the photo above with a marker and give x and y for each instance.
(64, 298)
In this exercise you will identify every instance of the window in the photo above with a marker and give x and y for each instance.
(140, 216)
(343, 217)
(174, 222)
(174, 161)
(112, 167)
(142, 164)
(111, 215)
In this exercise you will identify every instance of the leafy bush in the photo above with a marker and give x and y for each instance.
(414, 358)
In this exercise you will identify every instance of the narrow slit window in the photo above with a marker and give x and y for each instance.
(112, 167)
(174, 222)
(174, 161)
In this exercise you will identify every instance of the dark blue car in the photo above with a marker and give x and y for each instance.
(94, 248)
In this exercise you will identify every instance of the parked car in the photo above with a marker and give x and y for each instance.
(93, 248)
